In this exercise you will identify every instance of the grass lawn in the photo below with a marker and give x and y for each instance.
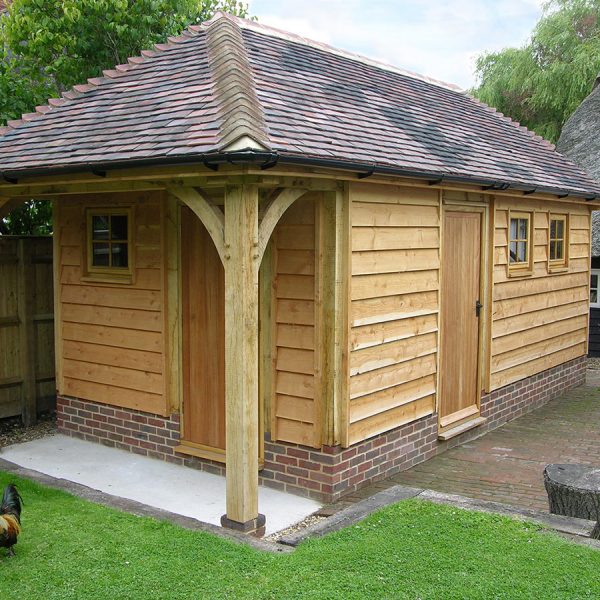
(71, 548)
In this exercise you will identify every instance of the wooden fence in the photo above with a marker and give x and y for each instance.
(27, 379)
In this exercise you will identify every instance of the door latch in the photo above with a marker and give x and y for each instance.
(478, 307)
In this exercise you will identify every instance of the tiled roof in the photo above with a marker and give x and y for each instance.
(230, 80)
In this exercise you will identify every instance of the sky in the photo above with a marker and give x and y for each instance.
(440, 39)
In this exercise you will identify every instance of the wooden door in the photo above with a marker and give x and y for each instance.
(460, 330)
(203, 337)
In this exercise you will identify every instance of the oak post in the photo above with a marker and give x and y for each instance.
(334, 242)
(241, 358)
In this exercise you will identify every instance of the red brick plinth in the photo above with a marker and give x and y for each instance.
(327, 473)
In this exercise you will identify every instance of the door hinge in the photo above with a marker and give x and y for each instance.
(478, 307)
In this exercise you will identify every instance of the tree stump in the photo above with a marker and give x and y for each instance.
(574, 491)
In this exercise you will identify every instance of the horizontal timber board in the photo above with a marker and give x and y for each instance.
(143, 320)
(117, 297)
(391, 308)
(377, 357)
(115, 396)
(548, 330)
(143, 279)
(296, 262)
(151, 362)
(295, 312)
(131, 379)
(296, 432)
(295, 409)
(295, 237)
(70, 256)
(362, 430)
(365, 214)
(525, 287)
(509, 376)
(542, 348)
(295, 287)
(113, 336)
(387, 377)
(541, 207)
(393, 261)
(394, 238)
(392, 194)
(380, 333)
(576, 265)
(513, 307)
(392, 284)
(293, 360)
(295, 384)
(295, 336)
(527, 321)
(374, 404)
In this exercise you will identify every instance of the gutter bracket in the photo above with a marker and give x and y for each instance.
(270, 163)
(368, 173)
(8, 179)
(209, 165)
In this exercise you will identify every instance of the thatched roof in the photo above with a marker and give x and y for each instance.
(580, 141)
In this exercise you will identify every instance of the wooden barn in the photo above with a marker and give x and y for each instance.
(298, 263)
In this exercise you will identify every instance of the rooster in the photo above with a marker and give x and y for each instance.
(10, 518)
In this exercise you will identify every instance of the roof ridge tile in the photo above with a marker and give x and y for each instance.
(234, 86)
(286, 35)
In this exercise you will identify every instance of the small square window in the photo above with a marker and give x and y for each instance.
(594, 280)
(558, 244)
(519, 243)
(109, 243)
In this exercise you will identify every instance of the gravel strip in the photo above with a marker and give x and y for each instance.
(593, 364)
(308, 522)
(12, 430)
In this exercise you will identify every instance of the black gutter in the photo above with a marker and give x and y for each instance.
(266, 159)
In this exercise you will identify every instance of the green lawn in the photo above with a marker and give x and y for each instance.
(71, 548)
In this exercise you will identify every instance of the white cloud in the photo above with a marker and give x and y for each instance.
(436, 38)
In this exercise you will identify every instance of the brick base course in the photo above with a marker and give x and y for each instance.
(327, 473)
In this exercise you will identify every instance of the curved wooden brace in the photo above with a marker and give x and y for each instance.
(7, 204)
(273, 213)
(212, 218)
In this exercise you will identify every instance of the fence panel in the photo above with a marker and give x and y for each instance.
(27, 377)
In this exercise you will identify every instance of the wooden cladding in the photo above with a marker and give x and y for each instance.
(295, 413)
(395, 242)
(111, 334)
(540, 321)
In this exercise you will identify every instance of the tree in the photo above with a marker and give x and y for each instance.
(542, 83)
(51, 45)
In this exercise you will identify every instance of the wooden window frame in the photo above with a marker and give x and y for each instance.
(559, 264)
(597, 273)
(109, 274)
(525, 268)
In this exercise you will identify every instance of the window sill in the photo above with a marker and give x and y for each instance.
(558, 269)
(108, 278)
(520, 273)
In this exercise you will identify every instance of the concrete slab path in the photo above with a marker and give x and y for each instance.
(506, 465)
(162, 485)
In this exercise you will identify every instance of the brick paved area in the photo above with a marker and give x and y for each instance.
(506, 465)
